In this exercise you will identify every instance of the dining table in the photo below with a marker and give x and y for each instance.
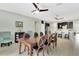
(27, 43)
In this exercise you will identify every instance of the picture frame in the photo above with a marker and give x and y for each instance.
(19, 24)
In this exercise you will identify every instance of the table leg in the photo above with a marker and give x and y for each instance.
(20, 48)
(25, 48)
(30, 50)
(47, 49)
(43, 51)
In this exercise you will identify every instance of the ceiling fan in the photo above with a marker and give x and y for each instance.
(57, 17)
(37, 9)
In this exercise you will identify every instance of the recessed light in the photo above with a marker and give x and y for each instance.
(36, 11)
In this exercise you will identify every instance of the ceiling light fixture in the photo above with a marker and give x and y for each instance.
(36, 11)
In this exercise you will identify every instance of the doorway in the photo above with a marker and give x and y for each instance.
(47, 25)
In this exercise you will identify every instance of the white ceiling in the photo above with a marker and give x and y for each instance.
(70, 11)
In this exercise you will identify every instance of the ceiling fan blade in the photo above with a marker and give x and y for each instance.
(43, 10)
(33, 10)
(35, 6)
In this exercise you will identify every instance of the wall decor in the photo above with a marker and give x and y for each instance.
(68, 25)
(19, 24)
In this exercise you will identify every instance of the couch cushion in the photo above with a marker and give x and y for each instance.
(5, 37)
(1, 39)
(6, 34)
(6, 41)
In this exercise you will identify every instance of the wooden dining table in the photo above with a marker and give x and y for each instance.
(27, 43)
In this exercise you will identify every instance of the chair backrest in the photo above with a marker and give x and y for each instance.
(53, 36)
(42, 40)
(26, 35)
(41, 43)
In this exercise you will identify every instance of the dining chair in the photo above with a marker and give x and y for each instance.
(45, 40)
(39, 48)
(26, 36)
(53, 39)
(43, 45)
(60, 34)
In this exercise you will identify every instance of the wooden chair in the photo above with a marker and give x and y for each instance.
(42, 45)
(45, 44)
(27, 36)
(53, 39)
(39, 48)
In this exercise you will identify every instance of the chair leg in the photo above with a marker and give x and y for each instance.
(37, 53)
(55, 43)
(20, 49)
(25, 48)
(43, 51)
(28, 50)
(47, 50)
(8, 44)
(50, 47)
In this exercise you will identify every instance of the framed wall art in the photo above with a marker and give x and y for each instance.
(19, 24)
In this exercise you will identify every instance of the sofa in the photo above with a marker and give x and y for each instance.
(5, 38)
